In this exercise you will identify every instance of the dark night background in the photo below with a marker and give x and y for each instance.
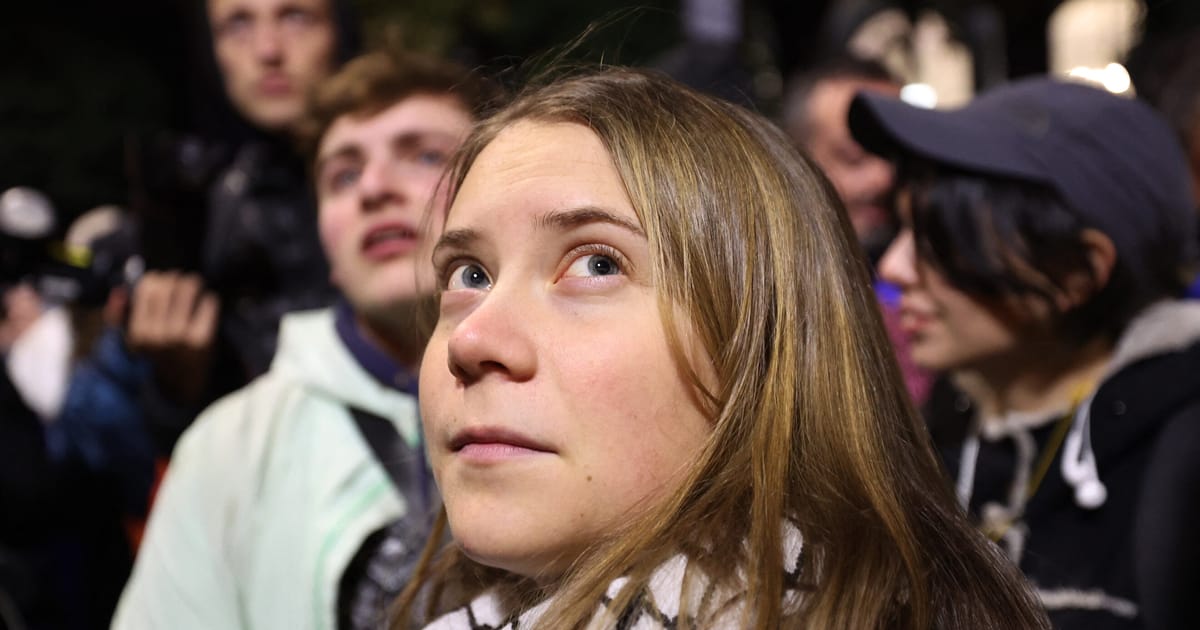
(81, 81)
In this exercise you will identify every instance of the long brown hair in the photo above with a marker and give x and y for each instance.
(754, 256)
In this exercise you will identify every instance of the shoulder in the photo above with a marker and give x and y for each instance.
(1152, 390)
(244, 418)
(1158, 357)
(1177, 446)
(1167, 553)
(235, 434)
(242, 414)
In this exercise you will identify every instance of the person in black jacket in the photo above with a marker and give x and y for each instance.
(208, 319)
(1046, 241)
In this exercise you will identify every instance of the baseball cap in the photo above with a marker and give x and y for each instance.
(1113, 160)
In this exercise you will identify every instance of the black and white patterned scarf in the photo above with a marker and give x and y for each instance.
(656, 607)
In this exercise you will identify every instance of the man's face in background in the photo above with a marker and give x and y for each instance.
(270, 53)
(864, 181)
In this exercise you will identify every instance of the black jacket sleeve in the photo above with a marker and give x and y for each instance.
(1167, 527)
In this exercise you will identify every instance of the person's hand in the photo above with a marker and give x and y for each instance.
(173, 322)
(116, 307)
(22, 307)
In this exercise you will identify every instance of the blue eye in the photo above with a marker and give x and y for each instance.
(341, 179)
(594, 265)
(432, 158)
(236, 25)
(468, 276)
(298, 17)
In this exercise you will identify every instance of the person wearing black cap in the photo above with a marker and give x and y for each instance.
(1047, 239)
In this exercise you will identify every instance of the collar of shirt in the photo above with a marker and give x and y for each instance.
(371, 357)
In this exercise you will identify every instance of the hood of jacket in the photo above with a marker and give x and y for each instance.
(1164, 327)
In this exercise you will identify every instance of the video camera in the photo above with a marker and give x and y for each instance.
(61, 271)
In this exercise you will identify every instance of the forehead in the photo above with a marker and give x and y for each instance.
(416, 114)
(534, 167)
(830, 100)
(217, 8)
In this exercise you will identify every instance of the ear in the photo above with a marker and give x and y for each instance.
(1079, 287)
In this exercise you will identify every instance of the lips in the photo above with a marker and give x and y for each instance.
(913, 320)
(495, 443)
(275, 85)
(388, 240)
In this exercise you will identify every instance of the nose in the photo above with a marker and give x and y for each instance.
(877, 176)
(378, 185)
(899, 262)
(268, 44)
(494, 340)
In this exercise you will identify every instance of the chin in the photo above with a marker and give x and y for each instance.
(275, 117)
(929, 359)
(497, 553)
(537, 567)
(506, 540)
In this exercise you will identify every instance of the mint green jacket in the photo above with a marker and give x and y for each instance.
(269, 495)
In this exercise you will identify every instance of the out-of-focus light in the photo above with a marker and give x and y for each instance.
(919, 95)
(1113, 77)
(26, 213)
(1116, 78)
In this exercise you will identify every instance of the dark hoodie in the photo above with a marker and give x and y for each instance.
(1132, 561)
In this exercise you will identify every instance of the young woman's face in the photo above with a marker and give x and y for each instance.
(552, 407)
(948, 329)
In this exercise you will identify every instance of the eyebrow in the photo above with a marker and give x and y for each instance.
(569, 219)
(456, 239)
(560, 220)
(347, 151)
(414, 137)
(404, 140)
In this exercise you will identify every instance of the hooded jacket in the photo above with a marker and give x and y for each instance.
(234, 203)
(271, 494)
(1108, 536)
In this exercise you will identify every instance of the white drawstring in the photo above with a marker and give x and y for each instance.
(1079, 461)
(966, 470)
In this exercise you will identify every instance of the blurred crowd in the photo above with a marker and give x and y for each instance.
(174, 356)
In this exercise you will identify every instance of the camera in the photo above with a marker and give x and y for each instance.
(98, 253)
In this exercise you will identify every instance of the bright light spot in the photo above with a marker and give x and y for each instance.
(26, 213)
(1113, 77)
(1116, 78)
(919, 95)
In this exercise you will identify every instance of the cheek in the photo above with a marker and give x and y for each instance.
(435, 381)
(643, 424)
(332, 222)
(229, 63)
(969, 318)
(335, 226)
(973, 326)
